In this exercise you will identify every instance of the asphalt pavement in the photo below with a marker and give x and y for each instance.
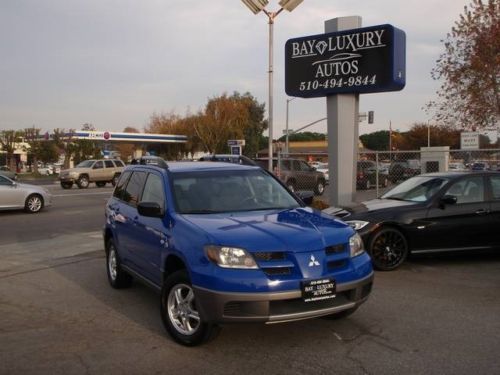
(435, 315)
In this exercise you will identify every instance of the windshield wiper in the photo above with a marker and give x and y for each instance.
(201, 212)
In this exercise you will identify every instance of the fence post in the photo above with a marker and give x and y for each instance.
(377, 171)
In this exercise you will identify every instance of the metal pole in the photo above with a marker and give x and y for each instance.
(428, 134)
(271, 23)
(286, 136)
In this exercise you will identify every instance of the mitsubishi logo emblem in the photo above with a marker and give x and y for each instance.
(313, 262)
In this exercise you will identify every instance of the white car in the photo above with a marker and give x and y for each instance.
(323, 167)
(14, 196)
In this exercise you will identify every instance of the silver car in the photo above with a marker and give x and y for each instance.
(22, 196)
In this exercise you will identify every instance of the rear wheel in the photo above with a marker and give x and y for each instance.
(180, 314)
(117, 278)
(291, 185)
(114, 181)
(388, 249)
(66, 185)
(33, 204)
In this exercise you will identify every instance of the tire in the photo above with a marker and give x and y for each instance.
(117, 278)
(291, 185)
(368, 185)
(388, 249)
(33, 204)
(114, 181)
(341, 314)
(100, 184)
(66, 185)
(320, 187)
(178, 310)
(386, 182)
(83, 182)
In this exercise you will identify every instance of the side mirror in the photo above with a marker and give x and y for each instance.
(150, 209)
(306, 196)
(448, 199)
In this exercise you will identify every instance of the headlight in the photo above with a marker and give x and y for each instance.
(356, 245)
(357, 224)
(230, 257)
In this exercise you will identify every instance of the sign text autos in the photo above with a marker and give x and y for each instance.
(361, 60)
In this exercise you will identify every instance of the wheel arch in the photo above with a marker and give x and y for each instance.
(173, 263)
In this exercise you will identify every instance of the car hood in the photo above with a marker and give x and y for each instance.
(297, 230)
(371, 206)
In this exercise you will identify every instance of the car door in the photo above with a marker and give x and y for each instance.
(127, 222)
(306, 180)
(98, 171)
(11, 196)
(151, 230)
(494, 223)
(109, 170)
(464, 224)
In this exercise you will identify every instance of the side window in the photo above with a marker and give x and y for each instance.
(304, 166)
(98, 165)
(4, 181)
(120, 186)
(134, 188)
(468, 190)
(108, 164)
(495, 187)
(153, 190)
(119, 163)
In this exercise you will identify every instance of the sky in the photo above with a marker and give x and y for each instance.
(114, 63)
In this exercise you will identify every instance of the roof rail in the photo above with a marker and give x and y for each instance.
(229, 158)
(151, 160)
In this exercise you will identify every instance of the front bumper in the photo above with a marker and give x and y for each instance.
(226, 307)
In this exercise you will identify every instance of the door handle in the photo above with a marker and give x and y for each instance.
(482, 212)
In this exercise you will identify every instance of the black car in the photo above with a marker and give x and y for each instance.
(429, 213)
(366, 175)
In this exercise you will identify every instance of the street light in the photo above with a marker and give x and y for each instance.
(256, 6)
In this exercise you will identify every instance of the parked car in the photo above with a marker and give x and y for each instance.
(429, 213)
(45, 170)
(402, 170)
(366, 175)
(296, 174)
(456, 166)
(480, 166)
(5, 171)
(14, 195)
(98, 171)
(228, 158)
(224, 242)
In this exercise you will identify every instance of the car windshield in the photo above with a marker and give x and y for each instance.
(229, 191)
(85, 164)
(416, 189)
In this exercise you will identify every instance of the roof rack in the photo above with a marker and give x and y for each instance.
(229, 158)
(150, 160)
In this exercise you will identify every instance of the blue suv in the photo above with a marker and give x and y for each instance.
(224, 243)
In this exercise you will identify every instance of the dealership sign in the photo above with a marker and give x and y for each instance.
(365, 60)
(469, 140)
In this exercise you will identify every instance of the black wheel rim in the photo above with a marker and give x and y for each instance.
(389, 249)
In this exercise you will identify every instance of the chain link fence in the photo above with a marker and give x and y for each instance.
(379, 171)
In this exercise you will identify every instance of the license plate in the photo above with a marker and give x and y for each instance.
(317, 290)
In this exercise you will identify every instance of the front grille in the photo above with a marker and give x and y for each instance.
(277, 271)
(334, 249)
(268, 256)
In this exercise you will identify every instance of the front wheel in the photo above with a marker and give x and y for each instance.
(83, 182)
(180, 314)
(33, 204)
(291, 185)
(388, 249)
(320, 187)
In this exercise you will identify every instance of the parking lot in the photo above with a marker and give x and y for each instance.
(58, 315)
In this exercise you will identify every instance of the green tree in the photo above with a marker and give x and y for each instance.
(8, 141)
(470, 69)
(376, 141)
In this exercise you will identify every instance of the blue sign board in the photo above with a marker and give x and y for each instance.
(366, 60)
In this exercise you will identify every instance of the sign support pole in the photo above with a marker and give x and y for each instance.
(343, 131)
